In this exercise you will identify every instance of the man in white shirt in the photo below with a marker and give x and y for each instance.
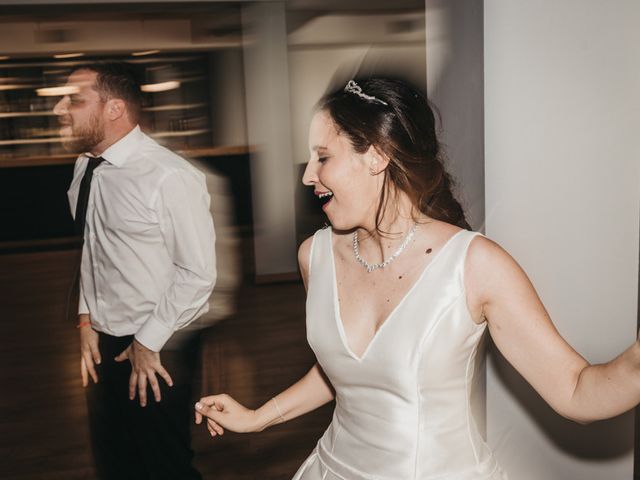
(147, 270)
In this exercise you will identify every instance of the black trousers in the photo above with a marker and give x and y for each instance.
(134, 442)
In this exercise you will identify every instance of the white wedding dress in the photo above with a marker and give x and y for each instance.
(405, 409)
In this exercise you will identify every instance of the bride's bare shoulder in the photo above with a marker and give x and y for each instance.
(490, 269)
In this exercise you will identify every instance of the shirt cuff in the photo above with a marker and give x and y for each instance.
(154, 334)
(82, 304)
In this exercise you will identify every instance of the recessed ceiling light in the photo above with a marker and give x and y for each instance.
(145, 52)
(68, 55)
(160, 87)
(57, 91)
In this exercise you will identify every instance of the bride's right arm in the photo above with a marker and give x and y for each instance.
(310, 392)
(223, 412)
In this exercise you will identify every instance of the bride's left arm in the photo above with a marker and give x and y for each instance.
(500, 292)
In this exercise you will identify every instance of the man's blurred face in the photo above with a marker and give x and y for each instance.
(80, 113)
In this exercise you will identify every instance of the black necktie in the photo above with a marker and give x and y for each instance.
(83, 195)
(79, 223)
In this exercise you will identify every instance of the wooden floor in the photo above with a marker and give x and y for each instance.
(43, 429)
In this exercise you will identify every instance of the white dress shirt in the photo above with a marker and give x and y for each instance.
(148, 263)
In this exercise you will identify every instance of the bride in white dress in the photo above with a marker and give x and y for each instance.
(400, 293)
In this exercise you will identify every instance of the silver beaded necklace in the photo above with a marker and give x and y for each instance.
(372, 266)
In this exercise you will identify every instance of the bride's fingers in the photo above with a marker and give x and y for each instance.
(209, 412)
(205, 404)
(206, 411)
(215, 400)
(213, 431)
(216, 427)
(208, 400)
(201, 411)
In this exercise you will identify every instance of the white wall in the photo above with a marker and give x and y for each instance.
(312, 71)
(357, 44)
(454, 84)
(562, 123)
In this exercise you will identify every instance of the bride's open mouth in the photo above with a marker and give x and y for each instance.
(325, 198)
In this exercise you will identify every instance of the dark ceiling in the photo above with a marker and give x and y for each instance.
(105, 10)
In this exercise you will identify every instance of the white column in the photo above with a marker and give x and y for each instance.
(269, 130)
(562, 123)
(455, 86)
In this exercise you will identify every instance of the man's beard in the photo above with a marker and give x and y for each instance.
(84, 138)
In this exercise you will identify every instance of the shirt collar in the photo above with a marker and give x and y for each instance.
(118, 153)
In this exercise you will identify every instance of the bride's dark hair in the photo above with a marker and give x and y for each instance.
(399, 122)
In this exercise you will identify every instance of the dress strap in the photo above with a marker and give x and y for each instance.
(461, 250)
(320, 251)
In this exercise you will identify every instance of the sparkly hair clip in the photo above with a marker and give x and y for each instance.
(354, 88)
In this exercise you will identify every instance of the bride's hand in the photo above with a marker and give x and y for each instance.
(223, 412)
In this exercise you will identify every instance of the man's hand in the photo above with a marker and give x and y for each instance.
(89, 352)
(145, 364)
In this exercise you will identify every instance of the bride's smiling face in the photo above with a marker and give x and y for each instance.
(344, 180)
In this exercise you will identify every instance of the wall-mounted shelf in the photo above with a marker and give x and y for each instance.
(30, 141)
(168, 108)
(26, 114)
(68, 159)
(159, 108)
(185, 133)
(180, 117)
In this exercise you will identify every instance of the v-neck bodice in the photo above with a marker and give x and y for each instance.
(407, 408)
(392, 313)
